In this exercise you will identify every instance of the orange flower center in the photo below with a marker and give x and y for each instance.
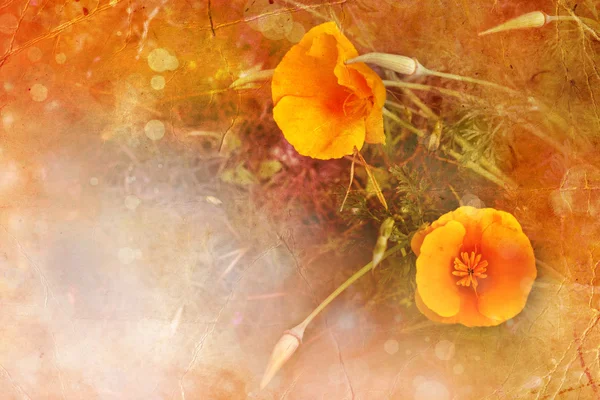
(469, 268)
(355, 105)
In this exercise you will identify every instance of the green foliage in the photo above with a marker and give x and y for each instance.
(477, 133)
(395, 282)
(268, 169)
(238, 175)
(417, 202)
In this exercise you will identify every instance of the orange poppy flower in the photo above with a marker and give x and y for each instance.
(474, 267)
(323, 106)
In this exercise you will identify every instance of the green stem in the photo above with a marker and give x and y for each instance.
(485, 162)
(345, 285)
(428, 88)
(403, 123)
(574, 18)
(478, 169)
(428, 72)
(470, 80)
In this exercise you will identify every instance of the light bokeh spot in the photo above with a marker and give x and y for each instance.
(39, 92)
(60, 58)
(430, 390)
(458, 369)
(34, 54)
(155, 129)
(8, 24)
(160, 60)
(126, 255)
(157, 82)
(444, 350)
(132, 202)
(391, 346)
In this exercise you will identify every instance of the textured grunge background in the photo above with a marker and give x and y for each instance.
(157, 237)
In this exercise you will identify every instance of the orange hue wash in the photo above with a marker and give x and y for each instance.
(324, 107)
(475, 267)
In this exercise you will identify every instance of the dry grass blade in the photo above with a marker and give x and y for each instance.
(351, 180)
(376, 186)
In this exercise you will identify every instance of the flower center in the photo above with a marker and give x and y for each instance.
(355, 105)
(469, 267)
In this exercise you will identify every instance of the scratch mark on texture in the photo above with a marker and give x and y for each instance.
(298, 268)
(239, 102)
(147, 27)
(289, 389)
(277, 12)
(14, 36)
(586, 369)
(15, 384)
(54, 32)
(210, 18)
(337, 346)
(200, 344)
(60, 377)
(42, 277)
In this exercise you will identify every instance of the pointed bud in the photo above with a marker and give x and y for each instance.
(385, 231)
(251, 79)
(284, 349)
(434, 139)
(401, 64)
(535, 19)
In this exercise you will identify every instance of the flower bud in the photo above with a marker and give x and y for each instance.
(535, 19)
(434, 138)
(284, 349)
(401, 64)
(385, 231)
(249, 80)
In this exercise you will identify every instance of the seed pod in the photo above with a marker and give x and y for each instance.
(401, 64)
(434, 139)
(283, 350)
(535, 19)
(252, 79)
(385, 231)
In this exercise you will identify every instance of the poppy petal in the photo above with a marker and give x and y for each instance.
(426, 311)
(437, 285)
(374, 125)
(307, 69)
(353, 77)
(468, 315)
(417, 240)
(475, 220)
(510, 273)
(330, 28)
(315, 132)
(373, 81)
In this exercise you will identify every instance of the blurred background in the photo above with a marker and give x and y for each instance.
(157, 233)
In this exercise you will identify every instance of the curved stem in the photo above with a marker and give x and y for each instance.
(345, 285)
(428, 88)
(573, 18)
(468, 79)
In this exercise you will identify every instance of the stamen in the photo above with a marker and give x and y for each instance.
(355, 105)
(469, 267)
